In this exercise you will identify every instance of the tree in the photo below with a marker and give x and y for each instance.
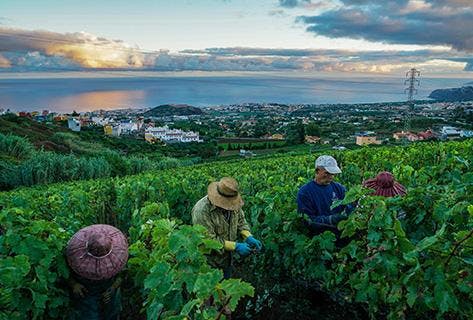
(295, 133)
(312, 129)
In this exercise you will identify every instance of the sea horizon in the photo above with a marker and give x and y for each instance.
(65, 92)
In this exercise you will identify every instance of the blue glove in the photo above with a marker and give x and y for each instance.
(334, 219)
(253, 242)
(243, 249)
(350, 207)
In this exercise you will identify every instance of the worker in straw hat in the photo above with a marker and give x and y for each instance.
(96, 254)
(220, 212)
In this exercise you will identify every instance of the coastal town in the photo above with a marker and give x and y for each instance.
(265, 125)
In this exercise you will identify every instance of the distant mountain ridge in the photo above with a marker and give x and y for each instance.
(173, 110)
(464, 93)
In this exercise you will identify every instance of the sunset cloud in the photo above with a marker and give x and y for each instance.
(85, 49)
(4, 62)
(22, 50)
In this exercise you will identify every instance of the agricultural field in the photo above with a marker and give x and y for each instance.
(417, 265)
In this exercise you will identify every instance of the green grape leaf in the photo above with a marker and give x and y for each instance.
(445, 297)
(236, 289)
(13, 270)
(206, 283)
(189, 306)
(428, 241)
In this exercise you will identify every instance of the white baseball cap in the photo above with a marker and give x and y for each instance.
(328, 163)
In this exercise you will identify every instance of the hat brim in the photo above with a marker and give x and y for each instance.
(396, 190)
(97, 268)
(228, 203)
(333, 170)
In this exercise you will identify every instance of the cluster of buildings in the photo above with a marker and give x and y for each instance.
(113, 126)
(366, 137)
(444, 133)
(123, 127)
(412, 136)
(255, 120)
(153, 134)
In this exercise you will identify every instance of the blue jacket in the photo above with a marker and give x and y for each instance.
(315, 201)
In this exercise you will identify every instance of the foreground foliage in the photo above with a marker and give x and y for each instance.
(405, 257)
(22, 165)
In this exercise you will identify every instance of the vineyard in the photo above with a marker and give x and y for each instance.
(412, 266)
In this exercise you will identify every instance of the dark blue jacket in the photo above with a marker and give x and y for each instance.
(315, 201)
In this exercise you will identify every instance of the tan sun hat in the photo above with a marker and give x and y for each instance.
(224, 194)
(97, 252)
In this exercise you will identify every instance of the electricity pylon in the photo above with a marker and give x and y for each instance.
(411, 91)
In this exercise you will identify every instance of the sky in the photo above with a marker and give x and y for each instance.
(342, 36)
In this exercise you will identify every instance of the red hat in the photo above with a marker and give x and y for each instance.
(97, 252)
(385, 185)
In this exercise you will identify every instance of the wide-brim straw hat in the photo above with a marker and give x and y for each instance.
(105, 238)
(225, 194)
(385, 185)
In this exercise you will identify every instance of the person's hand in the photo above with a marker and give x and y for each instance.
(336, 218)
(254, 243)
(107, 296)
(351, 207)
(79, 290)
(243, 249)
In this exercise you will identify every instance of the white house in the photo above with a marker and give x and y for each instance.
(73, 124)
(466, 134)
(128, 126)
(170, 135)
(450, 132)
(101, 121)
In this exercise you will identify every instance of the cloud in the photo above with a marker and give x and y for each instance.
(468, 61)
(307, 4)
(420, 22)
(87, 50)
(277, 13)
(36, 61)
(329, 60)
(22, 50)
(293, 3)
(4, 62)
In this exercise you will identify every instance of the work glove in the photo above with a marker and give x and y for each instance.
(351, 207)
(108, 294)
(336, 218)
(254, 243)
(79, 290)
(243, 249)
(318, 228)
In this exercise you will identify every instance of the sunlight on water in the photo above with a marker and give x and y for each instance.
(106, 100)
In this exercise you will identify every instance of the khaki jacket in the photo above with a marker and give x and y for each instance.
(223, 226)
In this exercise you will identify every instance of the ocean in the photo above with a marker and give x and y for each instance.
(112, 92)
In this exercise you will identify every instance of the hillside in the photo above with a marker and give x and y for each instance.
(410, 266)
(39, 134)
(35, 153)
(58, 138)
(166, 110)
(453, 94)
